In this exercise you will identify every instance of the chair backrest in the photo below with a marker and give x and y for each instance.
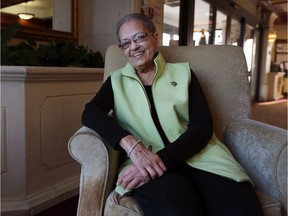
(221, 70)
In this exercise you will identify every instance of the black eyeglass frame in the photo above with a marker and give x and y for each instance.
(127, 43)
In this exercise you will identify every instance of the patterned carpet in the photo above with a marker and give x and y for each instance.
(271, 112)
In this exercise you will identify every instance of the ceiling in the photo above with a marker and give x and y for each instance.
(40, 8)
(40, 4)
(279, 7)
(6, 3)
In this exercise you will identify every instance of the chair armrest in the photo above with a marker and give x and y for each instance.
(262, 150)
(96, 178)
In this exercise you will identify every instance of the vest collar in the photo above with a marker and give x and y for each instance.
(159, 62)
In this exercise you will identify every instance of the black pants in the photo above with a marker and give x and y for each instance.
(192, 192)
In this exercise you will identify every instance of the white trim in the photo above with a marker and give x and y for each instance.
(44, 199)
(34, 73)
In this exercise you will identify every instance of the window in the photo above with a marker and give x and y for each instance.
(249, 46)
(201, 23)
(171, 23)
(234, 35)
(212, 22)
(220, 31)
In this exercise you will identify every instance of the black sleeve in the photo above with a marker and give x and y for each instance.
(95, 116)
(199, 132)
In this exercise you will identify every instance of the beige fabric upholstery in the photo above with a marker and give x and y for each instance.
(260, 148)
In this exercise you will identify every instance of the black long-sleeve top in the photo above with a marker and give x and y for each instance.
(197, 135)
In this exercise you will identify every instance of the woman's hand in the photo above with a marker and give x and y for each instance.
(149, 164)
(131, 178)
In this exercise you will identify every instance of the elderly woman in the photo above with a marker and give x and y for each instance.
(175, 165)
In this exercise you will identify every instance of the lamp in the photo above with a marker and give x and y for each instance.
(272, 36)
(25, 15)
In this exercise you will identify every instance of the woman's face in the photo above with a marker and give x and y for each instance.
(139, 45)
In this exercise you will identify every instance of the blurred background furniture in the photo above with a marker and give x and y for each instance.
(260, 148)
(276, 85)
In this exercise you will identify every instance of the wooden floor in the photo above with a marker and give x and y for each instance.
(273, 112)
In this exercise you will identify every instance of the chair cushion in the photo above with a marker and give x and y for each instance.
(127, 205)
(270, 206)
(124, 206)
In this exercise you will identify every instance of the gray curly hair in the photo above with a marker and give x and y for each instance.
(136, 16)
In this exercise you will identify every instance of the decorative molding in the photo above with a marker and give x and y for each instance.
(3, 141)
(29, 73)
(15, 73)
(42, 200)
(67, 110)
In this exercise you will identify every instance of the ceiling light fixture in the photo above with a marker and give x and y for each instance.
(25, 16)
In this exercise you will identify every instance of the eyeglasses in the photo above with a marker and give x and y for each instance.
(137, 38)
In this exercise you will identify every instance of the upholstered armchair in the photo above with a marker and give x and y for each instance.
(260, 148)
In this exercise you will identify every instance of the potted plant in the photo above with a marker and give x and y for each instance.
(53, 54)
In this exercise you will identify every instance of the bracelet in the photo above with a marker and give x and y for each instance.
(132, 148)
